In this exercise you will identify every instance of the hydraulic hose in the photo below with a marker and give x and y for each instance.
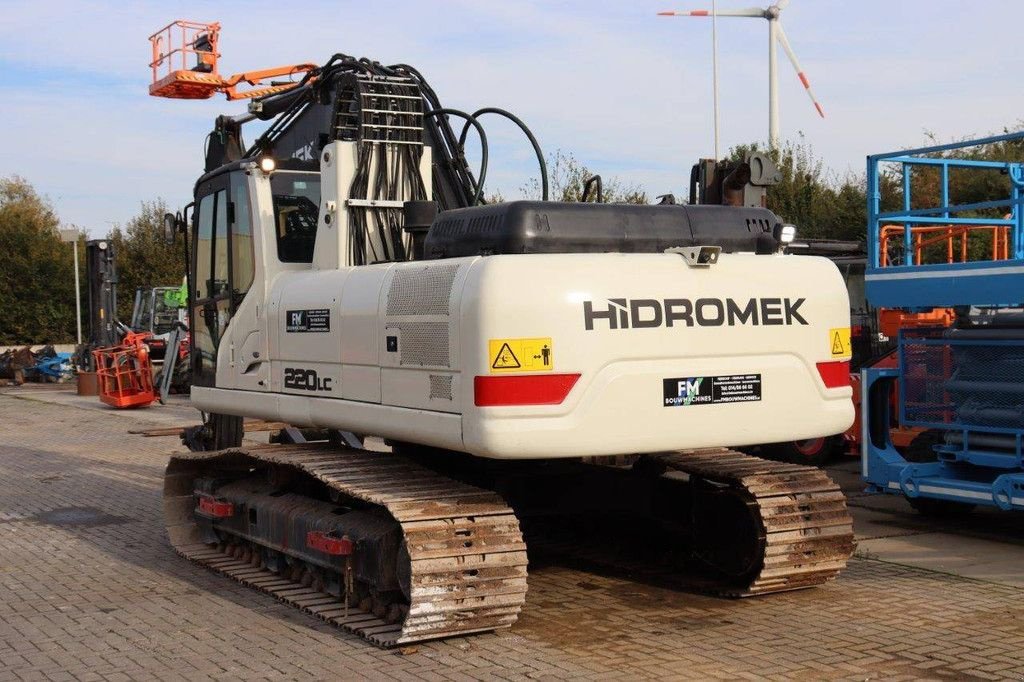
(463, 187)
(470, 120)
(529, 135)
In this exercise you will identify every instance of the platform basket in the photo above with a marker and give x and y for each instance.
(124, 374)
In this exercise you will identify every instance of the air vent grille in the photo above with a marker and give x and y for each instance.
(422, 344)
(758, 225)
(421, 291)
(441, 386)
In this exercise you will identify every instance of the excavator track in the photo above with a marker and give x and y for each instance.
(752, 526)
(742, 526)
(466, 557)
(805, 532)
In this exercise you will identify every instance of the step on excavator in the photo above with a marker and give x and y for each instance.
(565, 373)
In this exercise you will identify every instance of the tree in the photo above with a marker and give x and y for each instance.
(36, 270)
(143, 258)
(567, 177)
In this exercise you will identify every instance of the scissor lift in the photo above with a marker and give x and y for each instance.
(964, 383)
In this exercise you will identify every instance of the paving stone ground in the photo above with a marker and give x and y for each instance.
(91, 590)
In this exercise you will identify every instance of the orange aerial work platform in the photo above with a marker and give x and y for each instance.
(185, 66)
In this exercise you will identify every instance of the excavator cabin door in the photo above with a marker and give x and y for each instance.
(222, 266)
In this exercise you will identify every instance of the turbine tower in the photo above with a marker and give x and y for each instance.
(776, 36)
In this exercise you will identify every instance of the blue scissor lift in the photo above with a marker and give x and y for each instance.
(964, 384)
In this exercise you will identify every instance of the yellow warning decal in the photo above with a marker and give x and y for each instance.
(839, 341)
(521, 355)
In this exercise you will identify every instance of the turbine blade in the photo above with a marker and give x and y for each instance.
(748, 12)
(784, 41)
(781, 4)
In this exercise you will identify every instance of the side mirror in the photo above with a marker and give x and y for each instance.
(170, 228)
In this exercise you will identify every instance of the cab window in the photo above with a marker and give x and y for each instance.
(204, 247)
(296, 212)
(220, 246)
(209, 268)
(243, 258)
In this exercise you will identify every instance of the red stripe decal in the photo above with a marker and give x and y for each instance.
(522, 389)
(835, 374)
(820, 110)
(803, 79)
(699, 13)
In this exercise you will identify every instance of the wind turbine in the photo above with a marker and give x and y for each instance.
(776, 35)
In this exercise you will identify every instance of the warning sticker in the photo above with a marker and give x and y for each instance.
(839, 341)
(734, 388)
(521, 355)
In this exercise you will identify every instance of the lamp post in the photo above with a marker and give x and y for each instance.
(71, 236)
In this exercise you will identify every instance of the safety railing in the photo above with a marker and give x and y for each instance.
(947, 216)
(956, 240)
(183, 46)
(915, 248)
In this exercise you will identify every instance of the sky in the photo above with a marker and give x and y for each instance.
(626, 92)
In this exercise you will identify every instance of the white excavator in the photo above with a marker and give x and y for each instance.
(574, 372)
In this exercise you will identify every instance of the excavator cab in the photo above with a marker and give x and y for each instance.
(228, 252)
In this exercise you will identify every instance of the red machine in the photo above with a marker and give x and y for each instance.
(124, 373)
